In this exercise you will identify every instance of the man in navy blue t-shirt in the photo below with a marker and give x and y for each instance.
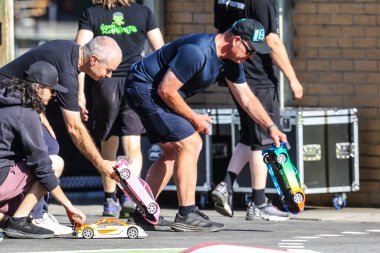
(157, 88)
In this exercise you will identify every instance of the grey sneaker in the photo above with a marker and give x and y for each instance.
(222, 200)
(111, 208)
(195, 222)
(127, 207)
(265, 211)
(24, 228)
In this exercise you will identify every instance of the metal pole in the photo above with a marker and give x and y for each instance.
(281, 83)
(6, 32)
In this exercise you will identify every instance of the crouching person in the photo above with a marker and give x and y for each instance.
(26, 172)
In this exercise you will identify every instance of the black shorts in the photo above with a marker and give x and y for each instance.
(110, 114)
(251, 133)
(160, 122)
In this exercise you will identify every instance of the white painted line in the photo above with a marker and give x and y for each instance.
(288, 243)
(354, 233)
(293, 240)
(292, 247)
(373, 231)
(307, 237)
(329, 235)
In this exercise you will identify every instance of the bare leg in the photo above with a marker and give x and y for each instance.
(241, 155)
(258, 170)
(185, 169)
(161, 170)
(36, 192)
(58, 164)
(132, 150)
(108, 152)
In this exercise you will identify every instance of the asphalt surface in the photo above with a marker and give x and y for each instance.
(317, 229)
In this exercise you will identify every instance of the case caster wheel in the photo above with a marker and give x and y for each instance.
(340, 201)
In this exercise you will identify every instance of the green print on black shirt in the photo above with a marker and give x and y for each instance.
(116, 26)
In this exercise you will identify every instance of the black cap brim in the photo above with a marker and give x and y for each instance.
(261, 48)
(60, 88)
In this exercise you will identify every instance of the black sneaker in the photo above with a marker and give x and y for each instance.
(24, 228)
(162, 224)
(196, 221)
(222, 200)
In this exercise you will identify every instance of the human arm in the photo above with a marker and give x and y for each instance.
(168, 91)
(83, 36)
(249, 102)
(155, 38)
(71, 210)
(45, 123)
(83, 141)
(281, 59)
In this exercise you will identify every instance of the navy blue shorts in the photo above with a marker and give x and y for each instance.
(161, 123)
(251, 133)
(110, 114)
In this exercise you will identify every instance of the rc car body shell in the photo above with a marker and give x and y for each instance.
(138, 191)
(285, 177)
(108, 228)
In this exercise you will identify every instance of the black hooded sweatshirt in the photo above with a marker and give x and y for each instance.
(21, 139)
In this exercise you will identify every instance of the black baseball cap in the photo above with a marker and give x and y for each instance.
(252, 31)
(44, 73)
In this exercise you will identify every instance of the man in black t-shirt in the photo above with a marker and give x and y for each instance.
(261, 74)
(111, 119)
(98, 58)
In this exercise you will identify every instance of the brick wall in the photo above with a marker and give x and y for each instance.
(195, 16)
(335, 52)
(336, 49)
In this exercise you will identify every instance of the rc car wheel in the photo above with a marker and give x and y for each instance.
(298, 197)
(133, 232)
(125, 174)
(281, 158)
(152, 208)
(266, 158)
(87, 233)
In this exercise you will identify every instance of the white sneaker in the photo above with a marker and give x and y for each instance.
(50, 222)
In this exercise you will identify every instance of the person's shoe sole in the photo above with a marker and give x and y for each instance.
(277, 218)
(223, 210)
(180, 227)
(105, 214)
(268, 218)
(220, 205)
(19, 234)
(147, 227)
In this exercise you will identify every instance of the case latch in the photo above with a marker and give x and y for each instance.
(312, 152)
(344, 150)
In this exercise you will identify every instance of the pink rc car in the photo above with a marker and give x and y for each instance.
(138, 191)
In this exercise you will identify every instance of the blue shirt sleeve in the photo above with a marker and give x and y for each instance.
(236, 73)
(188, 61)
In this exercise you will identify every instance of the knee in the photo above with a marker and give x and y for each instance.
(192, 144)
(58, 164)
(169, 151)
